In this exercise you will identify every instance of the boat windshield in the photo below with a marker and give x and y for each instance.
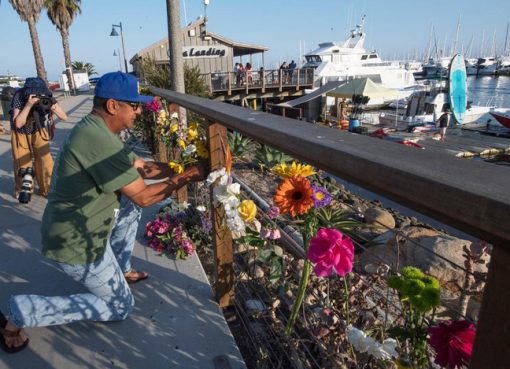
(313, 58)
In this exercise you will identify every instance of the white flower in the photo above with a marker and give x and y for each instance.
(227, 194)
(236, 224)
(363, 343)
(174, 115)
(388, 349)
(183, 206)
(220, 173)
(190, 149)
(201, 208)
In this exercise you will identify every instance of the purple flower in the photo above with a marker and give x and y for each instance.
(321, 197)
(273, 212)
(205, 224)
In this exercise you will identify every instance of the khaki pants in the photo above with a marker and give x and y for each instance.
(37, 147)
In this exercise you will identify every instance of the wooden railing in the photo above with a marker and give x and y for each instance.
(469, 195)
(259, 79)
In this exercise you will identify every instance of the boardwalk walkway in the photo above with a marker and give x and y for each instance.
(175, 324)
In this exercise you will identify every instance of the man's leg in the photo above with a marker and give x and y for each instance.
(122, 239)
(109, 298)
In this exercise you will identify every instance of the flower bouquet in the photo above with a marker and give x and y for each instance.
(188, 144)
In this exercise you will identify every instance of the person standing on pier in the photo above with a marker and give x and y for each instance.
(444, 120)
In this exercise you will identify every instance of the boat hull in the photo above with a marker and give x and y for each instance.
(503, 117)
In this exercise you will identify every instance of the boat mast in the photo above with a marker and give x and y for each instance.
(456, 36)
(506, 41)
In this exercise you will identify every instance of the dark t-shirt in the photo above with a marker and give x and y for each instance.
(32, 125)
(443, 120)
(93, 165)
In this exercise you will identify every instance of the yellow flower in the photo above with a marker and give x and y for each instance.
(296, 169)
(162, 114)
(202, 151)
(181, 143)
(176, 167)
(192, 133)
(247, 210)
(174, 127)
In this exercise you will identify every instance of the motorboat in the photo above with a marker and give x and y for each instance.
(333, 61)
(502, 116)
(471, 66)
(486, 66)
(436, 68)
(503, 68)
(426, 107)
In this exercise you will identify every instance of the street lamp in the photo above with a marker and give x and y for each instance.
(114, 33)
(116, 52)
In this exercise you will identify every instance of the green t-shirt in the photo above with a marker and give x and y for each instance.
(93, 165)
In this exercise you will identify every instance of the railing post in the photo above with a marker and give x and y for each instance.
(209, 82)
(492, 341)
(280, 73)
(229, 92)
(182, 193)
(222, 238)
(263, 82)
(298, 76)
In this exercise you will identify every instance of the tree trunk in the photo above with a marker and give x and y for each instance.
(67, 58)
(39, 61)
(174, 34)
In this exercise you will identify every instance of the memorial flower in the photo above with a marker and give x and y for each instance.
(331, 250)
(294, 170)
(294, 196)
(247, 210)
(452, 342)
(321, 197)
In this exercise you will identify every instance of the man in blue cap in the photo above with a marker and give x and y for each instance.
(90, 222)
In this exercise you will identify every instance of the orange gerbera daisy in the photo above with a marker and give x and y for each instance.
(294, 196)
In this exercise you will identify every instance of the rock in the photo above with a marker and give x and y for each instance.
(258, 271)
(256, 306)
(379, 218)
(418, 246)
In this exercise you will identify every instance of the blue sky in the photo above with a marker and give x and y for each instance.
(395, 28)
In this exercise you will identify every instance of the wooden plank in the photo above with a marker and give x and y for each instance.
(222, 238)
(467, 194)
(182, 193)
(492, 342)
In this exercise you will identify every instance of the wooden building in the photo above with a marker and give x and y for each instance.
(211, 52)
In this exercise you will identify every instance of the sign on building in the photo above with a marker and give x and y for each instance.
(203, 51)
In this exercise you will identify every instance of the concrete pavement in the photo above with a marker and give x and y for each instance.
(176, 322)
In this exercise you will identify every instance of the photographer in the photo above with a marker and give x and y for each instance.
(32, 110)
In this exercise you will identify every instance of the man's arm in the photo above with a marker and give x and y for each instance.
(153, 169)
(146, 195)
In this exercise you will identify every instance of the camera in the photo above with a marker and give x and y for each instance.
(27, 183)
(45, 102)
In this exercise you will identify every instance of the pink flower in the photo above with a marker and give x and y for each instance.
(154, 105)
(270, 234)
(331, 249)
(187, 246)
(453, 342)
(273, 212)
(162, 228)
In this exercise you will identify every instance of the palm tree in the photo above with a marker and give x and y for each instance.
(61, 13)
(29, 11)
(79, 65)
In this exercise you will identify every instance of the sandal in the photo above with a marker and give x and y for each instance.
(135, 276)
(6, 333)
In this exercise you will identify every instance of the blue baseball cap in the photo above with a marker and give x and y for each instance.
(120, 86)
